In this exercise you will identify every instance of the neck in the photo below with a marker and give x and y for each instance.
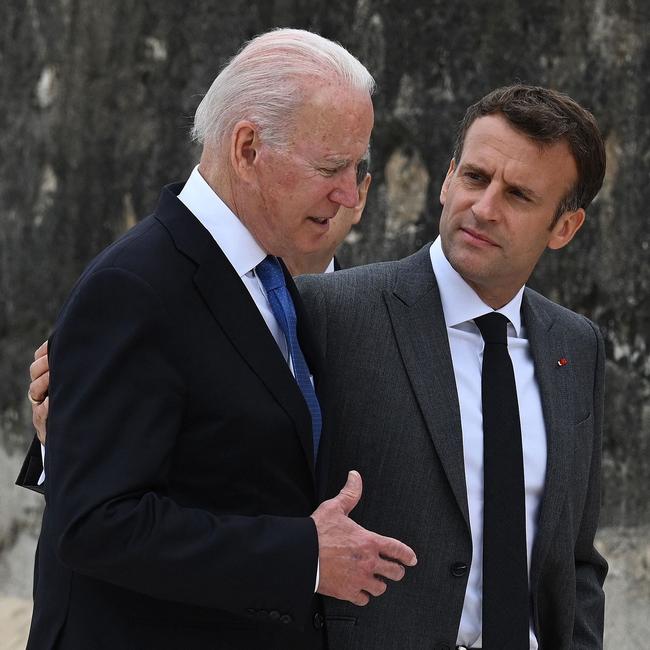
(494, 298)
(309, 263)
(215, 173)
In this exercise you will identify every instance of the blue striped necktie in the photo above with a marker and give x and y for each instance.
(270, 274)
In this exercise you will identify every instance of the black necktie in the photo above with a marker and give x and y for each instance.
(505, 569)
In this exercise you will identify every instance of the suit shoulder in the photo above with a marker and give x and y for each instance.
(141, 243)
(568, 319)
(367, 277)
(147, 251)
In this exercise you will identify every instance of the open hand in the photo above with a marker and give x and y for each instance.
(355, 562)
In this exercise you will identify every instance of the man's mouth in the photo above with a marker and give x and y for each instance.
(478, 237)
(322, 222)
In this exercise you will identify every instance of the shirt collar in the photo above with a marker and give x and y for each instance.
(234, 239)
(460, 303)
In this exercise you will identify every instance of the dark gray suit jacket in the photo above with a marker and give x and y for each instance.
(394, 416)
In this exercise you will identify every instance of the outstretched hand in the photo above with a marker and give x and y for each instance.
(355, 562)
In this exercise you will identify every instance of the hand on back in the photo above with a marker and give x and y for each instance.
(39, 373)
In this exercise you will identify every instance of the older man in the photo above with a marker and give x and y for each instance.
(322, 260)
(184, 424)
(478, 401)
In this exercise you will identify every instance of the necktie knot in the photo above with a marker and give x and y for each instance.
(493, 327)
(270, 273)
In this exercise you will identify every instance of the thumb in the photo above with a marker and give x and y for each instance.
(350, 493)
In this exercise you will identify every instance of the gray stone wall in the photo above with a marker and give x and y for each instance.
(96, 100)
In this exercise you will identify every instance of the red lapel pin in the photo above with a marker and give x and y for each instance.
(562, 362)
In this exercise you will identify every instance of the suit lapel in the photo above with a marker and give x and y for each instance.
(548, 344)
(421, 335)
(236, 313)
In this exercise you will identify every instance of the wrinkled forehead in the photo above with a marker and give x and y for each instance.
(335, 119)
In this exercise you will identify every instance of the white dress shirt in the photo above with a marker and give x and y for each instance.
(460, 305)
(238, 245)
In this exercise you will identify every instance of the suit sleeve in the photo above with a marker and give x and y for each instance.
(591, 568)
(32, 468)
(117, 405)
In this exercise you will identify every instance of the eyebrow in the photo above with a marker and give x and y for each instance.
(338, 161)
(341, 163)
(335, 161)
(526, 191)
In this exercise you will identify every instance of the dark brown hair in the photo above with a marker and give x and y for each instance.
(547, 116)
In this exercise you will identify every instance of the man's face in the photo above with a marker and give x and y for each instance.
(299, 190)
(498, 205)
(346, 217)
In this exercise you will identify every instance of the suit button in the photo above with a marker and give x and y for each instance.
(458, 569)
(262, 613)
(274, 615)
(318, 621)
(286, 619)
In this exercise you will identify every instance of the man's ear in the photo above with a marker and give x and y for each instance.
(447, 181)
(244, 149)
(364, 186)
(566, 228)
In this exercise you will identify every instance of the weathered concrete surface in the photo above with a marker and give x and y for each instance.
(628, 586)
(15, 614)
(95, 103)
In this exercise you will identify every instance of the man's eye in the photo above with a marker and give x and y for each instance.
(473, 176)
(519, 195)
(326, 171)
(362, 170)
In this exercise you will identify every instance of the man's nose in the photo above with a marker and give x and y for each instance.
(486, 206)
(346, 192)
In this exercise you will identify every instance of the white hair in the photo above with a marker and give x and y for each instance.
(264, 83)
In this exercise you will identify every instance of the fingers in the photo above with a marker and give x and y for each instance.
(350, 493)
(39, 372)
(354, 562)
(39, 418)
(39, 387)
(360, 599)
(41, 350)
(386, 569)
(393, 549)
(374, 588)
(39, 367)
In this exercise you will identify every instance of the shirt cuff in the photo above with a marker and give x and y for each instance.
(41, 478)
